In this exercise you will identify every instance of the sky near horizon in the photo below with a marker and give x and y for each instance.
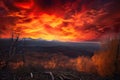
(61, 20)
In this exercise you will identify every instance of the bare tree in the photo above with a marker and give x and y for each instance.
(23, 50)
(14, 39)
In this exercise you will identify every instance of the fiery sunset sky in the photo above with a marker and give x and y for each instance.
(62, 20)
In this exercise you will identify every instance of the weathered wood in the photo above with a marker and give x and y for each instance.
(51, 74)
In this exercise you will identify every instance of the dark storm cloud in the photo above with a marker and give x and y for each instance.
(2, 11)
(45, 3)
(52, 5)
(6, 22)
(110, 21)
(9, 4)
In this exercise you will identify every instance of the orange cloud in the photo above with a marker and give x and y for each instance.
(59, 20)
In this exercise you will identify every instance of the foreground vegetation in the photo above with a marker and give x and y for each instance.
(32, 73)
(103, 65)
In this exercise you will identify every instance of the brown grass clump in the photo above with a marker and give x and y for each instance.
(107, 60)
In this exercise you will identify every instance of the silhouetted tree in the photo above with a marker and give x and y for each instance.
(14, 39)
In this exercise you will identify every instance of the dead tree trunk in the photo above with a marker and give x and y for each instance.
(23, 50)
